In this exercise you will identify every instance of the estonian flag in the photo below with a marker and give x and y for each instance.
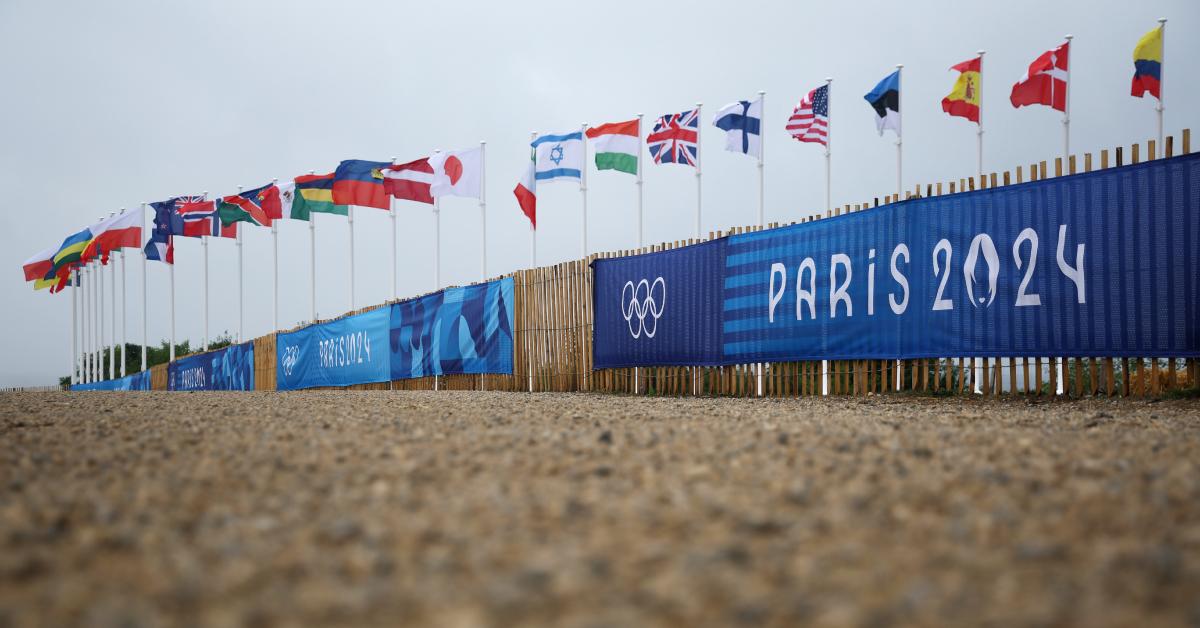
(885, 99)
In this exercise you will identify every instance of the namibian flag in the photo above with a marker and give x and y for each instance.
(1147, 63)
(314, 194)
(359, 182)
(963, 100)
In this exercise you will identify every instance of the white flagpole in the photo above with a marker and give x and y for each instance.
(275, 267)
(124, 307)
(699, 126)
(437, 244)
(828, 197)
(533, 235)
(112, 321)
(392, 218)
(85, 326)
(350, 229)
(639, 182)
(899, 132)
(1066, 160)
(1067, 107)
(312, 241)
(483, 210)
(100, 309)
(241, 281)
(93, 323)
(171, 350)
(762, 149)
(74, 331)
(145, 299)
(583, 192)
(204, 245)
(979, 129)
(1162, 26)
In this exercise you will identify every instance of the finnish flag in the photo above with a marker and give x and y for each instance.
(742, 123)
(558, 156)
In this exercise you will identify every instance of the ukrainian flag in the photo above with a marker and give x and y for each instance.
(1147, 61)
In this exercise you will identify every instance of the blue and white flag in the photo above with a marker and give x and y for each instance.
(742, 123)
(558, 156)
(885, 100)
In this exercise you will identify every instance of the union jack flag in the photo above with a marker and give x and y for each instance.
(674, 138)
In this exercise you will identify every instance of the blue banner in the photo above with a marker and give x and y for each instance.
(137, 381)
(230, 368)
(1100, 264)
(348, 351)
(659, 308)
(457, 330)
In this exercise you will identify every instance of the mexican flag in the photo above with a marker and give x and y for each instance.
(616, 145)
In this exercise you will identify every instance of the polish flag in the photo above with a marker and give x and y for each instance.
(121, 231)
(410, 181)
(1045, 83)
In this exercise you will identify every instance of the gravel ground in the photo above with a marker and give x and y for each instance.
(480, 509)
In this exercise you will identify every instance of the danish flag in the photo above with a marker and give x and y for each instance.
(1046, 81)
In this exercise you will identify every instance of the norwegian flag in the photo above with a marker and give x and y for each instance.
(200, 219)
(1045, 83)
(674, 138)
(810, 118)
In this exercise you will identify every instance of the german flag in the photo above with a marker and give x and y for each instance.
(963, 100)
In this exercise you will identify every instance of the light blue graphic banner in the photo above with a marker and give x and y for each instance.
(352, 350)
(455, 331)
(137, 381)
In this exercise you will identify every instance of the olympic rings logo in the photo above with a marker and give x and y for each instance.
(642, 305)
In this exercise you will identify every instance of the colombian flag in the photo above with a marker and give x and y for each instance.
(1147, 63)
(359, 182)
(963, 100)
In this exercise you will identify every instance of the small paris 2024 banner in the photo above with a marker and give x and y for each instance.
(453, 331)
(1099, 264)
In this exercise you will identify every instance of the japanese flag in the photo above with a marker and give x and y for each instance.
(457, 173)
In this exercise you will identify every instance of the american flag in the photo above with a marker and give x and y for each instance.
(673, 139)
(810, 118)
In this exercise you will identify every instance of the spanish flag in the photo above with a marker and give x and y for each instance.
(1147, 63)
(963, 100)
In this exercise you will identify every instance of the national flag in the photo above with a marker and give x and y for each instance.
(37, 266)
(200, 218)
(1147, 63)
(457, 173)
(410, 181)
(360, 182)
(810, 118)
(42, 284)
(616, 146)
(964, 99)
(160, 246)
(314, 195)
(67, 257)
(673, 140)
(258, 207)
(286, 192)
(526, 190)
(123, 230)
(742, 123)
(558, 156)
(885, 100)
(1045, 83)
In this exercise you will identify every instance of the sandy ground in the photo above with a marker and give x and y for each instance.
(479, 509)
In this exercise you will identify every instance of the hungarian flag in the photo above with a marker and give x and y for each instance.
(314, 195)
(410, 181)
(457, 173)
(360, 182)
(1045, 83)
(616, 146)
(115, 232)
(259, 207)
(37, 266)
(526, 190)
(963, 100)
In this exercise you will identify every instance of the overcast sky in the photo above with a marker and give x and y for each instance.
(107, 105)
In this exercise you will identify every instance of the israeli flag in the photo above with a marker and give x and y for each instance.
(558, 156)
(742, 123)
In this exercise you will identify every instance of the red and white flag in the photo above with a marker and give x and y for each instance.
(410, 181)
(810, 118)
(1046, 81)
(526, 191)
(457, 173)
